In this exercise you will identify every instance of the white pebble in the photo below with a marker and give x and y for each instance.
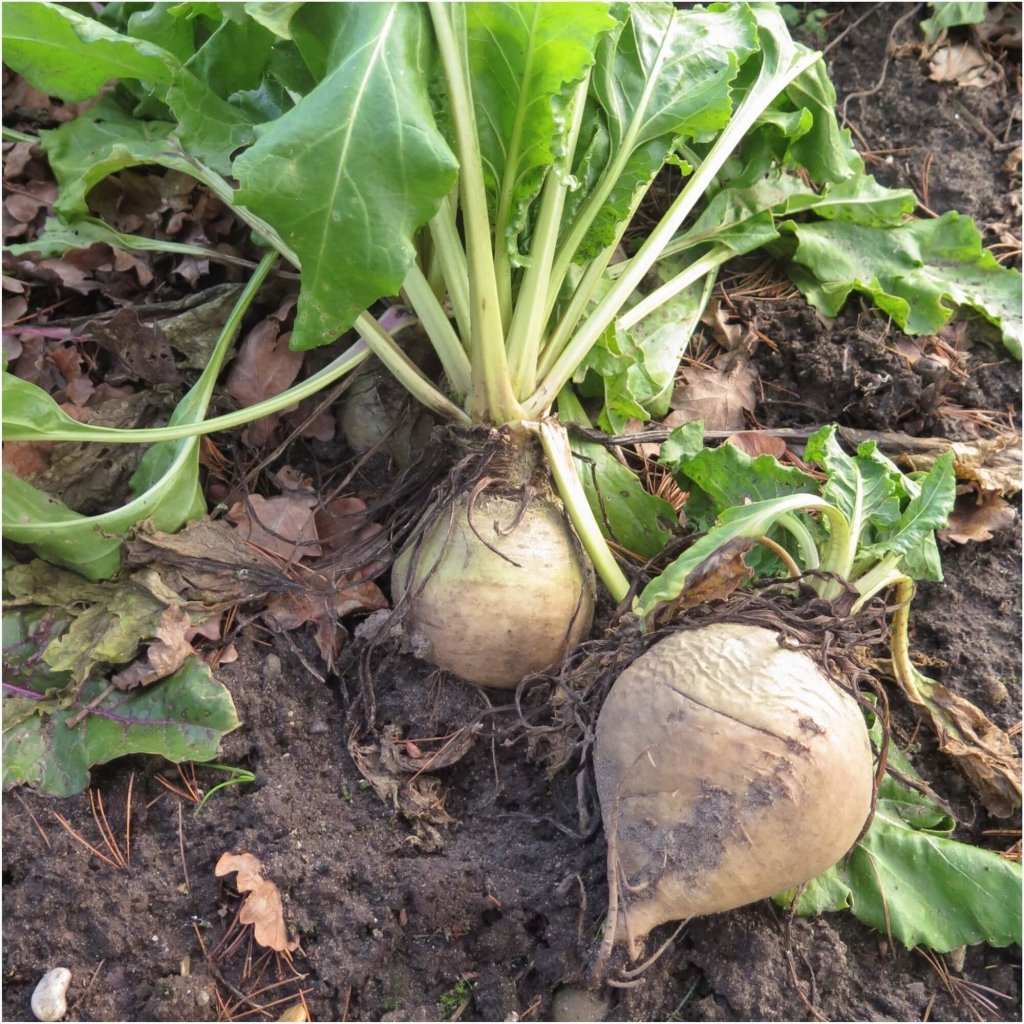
(49, 1001)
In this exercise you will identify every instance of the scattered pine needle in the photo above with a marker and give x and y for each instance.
(976, 998)
(115, 857)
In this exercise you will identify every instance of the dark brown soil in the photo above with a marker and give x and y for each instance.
(492, 923)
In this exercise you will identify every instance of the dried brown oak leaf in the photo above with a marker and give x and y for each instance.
(718, 395)
(282, 526)
(262, 908)
(757, 442)
(978, 518)
(164, 655)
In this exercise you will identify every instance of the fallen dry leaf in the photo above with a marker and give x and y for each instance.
(26, 459)
(978, 518)
(1001, 26)
(964, 64)
(291, 609)
(718, 396)
(729, 333)
(756, 442)
(344, 525)
(247, 866)
(283, 526)
(140, 352)
(264, 365)
(262, 908)
(295, 1013)
(164, 655)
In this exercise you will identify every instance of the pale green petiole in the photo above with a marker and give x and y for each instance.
(75, 431)
(491, 398)
(531, 314)
(452, 257)
(555, 442)
(758, 98)
(405, 371)
(439, 328)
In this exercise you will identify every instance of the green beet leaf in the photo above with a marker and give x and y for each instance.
(908, 878)
(70, 56)
(316, 173)
(951, 14)
(181, 718)
(522, 59)
(916, 273)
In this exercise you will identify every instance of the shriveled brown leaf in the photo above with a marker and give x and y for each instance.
(262, 907)
(165, 654)
(264, 365)
(26, 459)
(714, 579)
(984, 752)
(248, 867)
(718, 396)
(140, 352)
(264, 910)
(756, 442)
(205, 563)
(978, 518)
(1001, 27)
(964, 64)
(194, 332)
(420, 799)
(992, 464)
(399, 754)
(283, 526)
(729, 333)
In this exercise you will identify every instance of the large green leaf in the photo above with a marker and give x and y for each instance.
(664, 75)
(68, 55)
(348, 174)
(865, 486)
(72, 56)
(907, 877)
(102, 142)
(181, 718)
(927, 511)
(826, 150)
(522, 59)
(917, 273)
(634, 370)
(719, 478)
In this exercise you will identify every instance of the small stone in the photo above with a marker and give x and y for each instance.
(318, 727)
(272, 668)
(995, 690)
(50, 999)
(578, 1004)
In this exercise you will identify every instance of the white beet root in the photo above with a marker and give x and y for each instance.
(480, 616)
(729, 769)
